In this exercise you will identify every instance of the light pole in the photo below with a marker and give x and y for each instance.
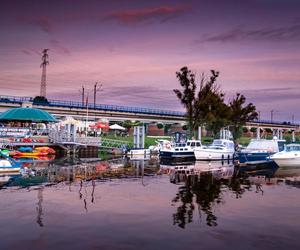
(272, 114)
(96, 89)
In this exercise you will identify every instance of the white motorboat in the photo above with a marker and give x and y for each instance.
(220, 149)
(289, 157)
(179, 150)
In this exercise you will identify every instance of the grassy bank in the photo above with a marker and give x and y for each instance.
(151, 140)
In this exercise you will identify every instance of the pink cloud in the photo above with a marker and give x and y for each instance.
(162, 13)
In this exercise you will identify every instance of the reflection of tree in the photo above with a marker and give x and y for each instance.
(206, 190)
(184, 213)
(238, 186)
(39, 208)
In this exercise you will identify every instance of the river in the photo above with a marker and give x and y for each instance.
(88, 203)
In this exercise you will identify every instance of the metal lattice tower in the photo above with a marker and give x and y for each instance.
(43, 65)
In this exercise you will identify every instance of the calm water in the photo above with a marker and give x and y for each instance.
(121, 204)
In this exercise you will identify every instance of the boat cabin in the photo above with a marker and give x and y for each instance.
(292, 147)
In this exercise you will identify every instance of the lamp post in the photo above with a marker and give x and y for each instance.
(272, 114)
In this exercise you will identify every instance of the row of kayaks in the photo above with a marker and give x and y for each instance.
(9, 164)
(29, 151)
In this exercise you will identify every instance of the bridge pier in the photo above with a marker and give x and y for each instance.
(293, 136)
(258, 133)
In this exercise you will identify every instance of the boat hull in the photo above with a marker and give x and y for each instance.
(253, 158)
(207, 154)
(177, 154)
(9, 169)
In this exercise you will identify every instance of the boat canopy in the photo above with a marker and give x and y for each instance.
(264, 145)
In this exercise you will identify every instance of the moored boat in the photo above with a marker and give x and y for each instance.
(259, 151)
(8, 165)
(177, 151)
(220, 149)
(289, 157)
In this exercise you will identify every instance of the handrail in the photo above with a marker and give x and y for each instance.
(106, 107)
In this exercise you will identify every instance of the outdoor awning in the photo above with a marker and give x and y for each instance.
(27, 114)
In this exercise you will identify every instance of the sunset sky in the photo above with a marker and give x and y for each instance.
(134, 49)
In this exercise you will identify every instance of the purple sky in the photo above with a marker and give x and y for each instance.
(134, 49)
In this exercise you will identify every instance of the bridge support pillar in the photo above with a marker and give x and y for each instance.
(293, 136)
(258, 133)
(199, 133)
(280, 134)
(139, 137)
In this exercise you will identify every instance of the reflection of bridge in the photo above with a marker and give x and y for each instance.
(120, 113)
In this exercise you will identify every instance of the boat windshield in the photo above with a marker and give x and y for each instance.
(222, 143)
(218, 143)
(292, 148)
(271, 146)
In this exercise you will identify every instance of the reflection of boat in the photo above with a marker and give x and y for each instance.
(220, 149)
(218, 170)
(259, 151)
(288, 172)
(139, 157)
(5, 178)
(290, 156)
(263, 169)
(8, 165)
(34, 158)
(179, 150)
(141, 152)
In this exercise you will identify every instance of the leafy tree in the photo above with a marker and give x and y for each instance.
(40, 100)
(240, 114)
(129, 124)
(268, 130)
(210, 108)
(187, 95)
(159, 125)
(205, 107)
(253, 130)
(245, 129)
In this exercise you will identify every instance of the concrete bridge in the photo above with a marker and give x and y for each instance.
(79, 110)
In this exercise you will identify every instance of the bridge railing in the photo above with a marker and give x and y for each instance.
(76, 104)
(275, 122)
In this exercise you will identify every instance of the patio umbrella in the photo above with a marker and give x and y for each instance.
(116, 127)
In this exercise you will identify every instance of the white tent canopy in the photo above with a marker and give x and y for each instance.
(116, 127)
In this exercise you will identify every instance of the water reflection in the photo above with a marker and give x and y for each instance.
(39, 207)
(202, 186)
(201, 190)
